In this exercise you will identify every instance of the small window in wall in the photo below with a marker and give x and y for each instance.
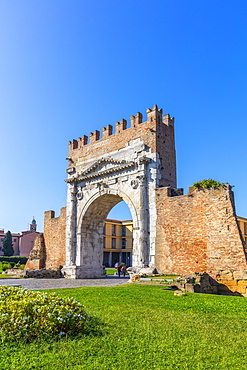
(123, 230)
(113, 243)
(123, 243)
(14, 240)
(0, 248)
(113, 230)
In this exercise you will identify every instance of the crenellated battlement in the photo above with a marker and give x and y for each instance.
(135, 120)
(153, 115)
(107, 131)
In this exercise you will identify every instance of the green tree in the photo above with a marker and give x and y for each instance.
(7, 244)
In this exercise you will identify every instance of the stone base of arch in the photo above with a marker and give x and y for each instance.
(82, 272)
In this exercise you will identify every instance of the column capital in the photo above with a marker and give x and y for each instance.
(73, 192)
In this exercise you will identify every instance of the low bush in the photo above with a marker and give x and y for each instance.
(210, 183)
(15, 259)
(27, 315)
(5, 266)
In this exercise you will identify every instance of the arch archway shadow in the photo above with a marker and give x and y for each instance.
(88, 254)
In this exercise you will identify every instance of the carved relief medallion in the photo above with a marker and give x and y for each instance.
(134, 183)
(80, 193)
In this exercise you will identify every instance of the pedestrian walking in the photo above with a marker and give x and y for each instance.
(123, 269)
(119, 268)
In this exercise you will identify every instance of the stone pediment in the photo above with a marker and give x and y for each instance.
(102, 167)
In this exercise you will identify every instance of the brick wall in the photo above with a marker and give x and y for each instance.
(198, 232)
(195, 233)
(55, 236)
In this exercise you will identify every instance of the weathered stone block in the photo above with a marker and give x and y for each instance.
(43, 273)
(240, 275)
(179, 293)
(15, 272)
(224, 275)
(190, 288)
(240, 289)
(148, 271)
(242, 283)
(135, 278)
(229, 283)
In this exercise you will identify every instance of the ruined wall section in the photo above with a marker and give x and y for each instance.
(157, 133)
(198, 232)
(37, 256)
(55, 238)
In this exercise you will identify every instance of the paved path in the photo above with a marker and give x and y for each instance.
(63, 283)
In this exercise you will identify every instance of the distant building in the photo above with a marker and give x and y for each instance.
(27, 238)
(118, 242)
(22, 243)
(243, 227)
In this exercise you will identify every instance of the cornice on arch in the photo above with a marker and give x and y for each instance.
(91, 172)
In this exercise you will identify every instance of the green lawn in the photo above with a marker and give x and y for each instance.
(110, 271)
(144, 327)
(163, 277)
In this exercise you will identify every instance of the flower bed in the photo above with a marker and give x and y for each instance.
(26, 314)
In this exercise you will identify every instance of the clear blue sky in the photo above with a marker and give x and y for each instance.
(68, 67)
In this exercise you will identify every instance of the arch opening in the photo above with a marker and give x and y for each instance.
(118, 236)
(97, 248)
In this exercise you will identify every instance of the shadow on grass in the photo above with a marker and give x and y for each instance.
(95, 328)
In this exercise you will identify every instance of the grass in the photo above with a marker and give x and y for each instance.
(173, 277)
(4, 276)
(110, 271)
(144, 327)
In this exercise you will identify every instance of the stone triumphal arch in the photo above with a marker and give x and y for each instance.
(172, 232)
(127, 165)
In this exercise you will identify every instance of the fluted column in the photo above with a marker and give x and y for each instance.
(71, 225)
(143, 232)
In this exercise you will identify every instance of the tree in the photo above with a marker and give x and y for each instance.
(7, 245)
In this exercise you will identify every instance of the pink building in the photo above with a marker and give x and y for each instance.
(22, 243)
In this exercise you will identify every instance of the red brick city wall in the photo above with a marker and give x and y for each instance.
(55, 237)
(198, 232)
(195, 233)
